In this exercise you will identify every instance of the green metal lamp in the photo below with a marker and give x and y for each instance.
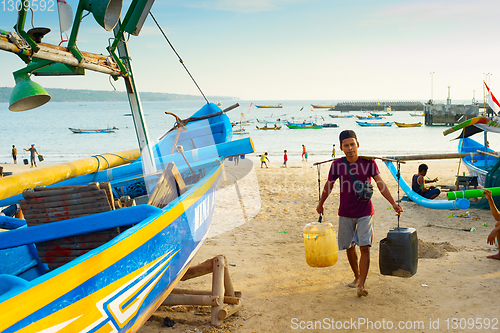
(27, 94)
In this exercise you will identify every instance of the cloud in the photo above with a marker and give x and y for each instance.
(242, 6)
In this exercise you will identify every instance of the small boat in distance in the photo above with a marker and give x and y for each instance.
(365, 124)
(408, 125)
(417, 114)
(275, 127)
(330, 125)
(317, 106)
(85, 131)
(278, 106)
(337, 116)
(303, 126)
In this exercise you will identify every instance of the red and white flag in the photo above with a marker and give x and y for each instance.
(492, 101)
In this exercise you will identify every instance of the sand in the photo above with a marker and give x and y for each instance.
(453, 289)
(260, 233)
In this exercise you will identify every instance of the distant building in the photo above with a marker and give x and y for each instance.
(379, 106)
(448, 114)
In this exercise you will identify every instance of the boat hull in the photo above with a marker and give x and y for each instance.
(408, 125)
(92, 131)
(366, 124)
(477, 165)
(300, 126)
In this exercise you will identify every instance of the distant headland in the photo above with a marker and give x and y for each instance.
(81, 95)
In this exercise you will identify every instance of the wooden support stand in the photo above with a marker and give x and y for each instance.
(222, 298)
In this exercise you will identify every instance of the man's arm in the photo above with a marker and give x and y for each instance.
(384, 190)
(327, 189)
(493, 207)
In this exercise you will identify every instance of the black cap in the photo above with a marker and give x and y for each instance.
(346, 134)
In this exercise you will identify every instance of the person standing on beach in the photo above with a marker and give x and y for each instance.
(32, 151)
(14, 154)
(263, 159)
(304, 153)
(495, 233)
(333, 151)
(237, 160)
(285, 159)
(355, 213)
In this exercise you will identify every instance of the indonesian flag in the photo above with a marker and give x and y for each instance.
(492, 101)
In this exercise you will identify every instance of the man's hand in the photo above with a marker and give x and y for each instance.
(320, 209)
(398, 209)
(487, 194)
(491, 238)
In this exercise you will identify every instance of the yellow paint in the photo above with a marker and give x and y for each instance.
(33, 299)
(13, 185)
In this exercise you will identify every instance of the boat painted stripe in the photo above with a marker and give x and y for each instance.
(61, 283)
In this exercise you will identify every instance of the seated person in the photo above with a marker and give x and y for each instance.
(418, 183)
(495, 233)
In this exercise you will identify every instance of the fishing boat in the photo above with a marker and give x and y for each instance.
(269, 128)
(317, 106)
(369, 118)
(381, 114)
(343, 116)
(303, 126)
(75, 264)
(89, 131)
(481, 161)
(278, 106)
(408, 124)
(366, 124)
(417, 114)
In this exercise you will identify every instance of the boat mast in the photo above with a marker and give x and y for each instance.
(141, 130)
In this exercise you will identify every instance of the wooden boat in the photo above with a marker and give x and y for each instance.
(408, 125)
(337, 116)
(89, 131)
(303, 126)
(279, 106)
(330, 125)
(369, 118)
(114, 279)
(77, 264)
(364, 123)
(381, 114)
(269, 128)
(482, 161)
(317, 106)
(417, 114)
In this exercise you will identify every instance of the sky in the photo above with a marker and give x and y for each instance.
(319, 50)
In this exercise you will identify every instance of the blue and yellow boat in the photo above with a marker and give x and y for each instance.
(116, 286)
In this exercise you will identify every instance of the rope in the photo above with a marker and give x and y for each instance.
(178, 56)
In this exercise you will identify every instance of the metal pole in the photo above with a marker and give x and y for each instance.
(432, 88)
(148, 161)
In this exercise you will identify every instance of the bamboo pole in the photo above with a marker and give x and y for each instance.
(217, 288)
(487, 153)
(431, 156)
(47, 52)
(228, 284)
(65, 189)
(204, 268)
(230, 309)
(392, 159)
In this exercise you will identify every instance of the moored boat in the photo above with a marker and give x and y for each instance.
(278, 106)
(408, 124)
(330, 125)
(269, 128)
(303, 126)
(366, 124)
(344, 116)
(318, 106)
(90, 131)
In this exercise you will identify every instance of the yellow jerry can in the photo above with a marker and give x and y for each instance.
(320, 242)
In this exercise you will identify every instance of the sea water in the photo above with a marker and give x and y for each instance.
(47, 128)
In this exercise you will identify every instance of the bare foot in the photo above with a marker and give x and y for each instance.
(362, 292)
(494, 256)
(353, 284)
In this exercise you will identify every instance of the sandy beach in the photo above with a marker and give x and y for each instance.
(450, 291)
(258, 223)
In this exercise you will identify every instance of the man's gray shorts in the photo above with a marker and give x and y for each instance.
(353, 231)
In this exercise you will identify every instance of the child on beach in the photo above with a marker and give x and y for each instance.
(333, 151)
(304, 153)
(495, 233)
(263, 159)
(285, 159)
